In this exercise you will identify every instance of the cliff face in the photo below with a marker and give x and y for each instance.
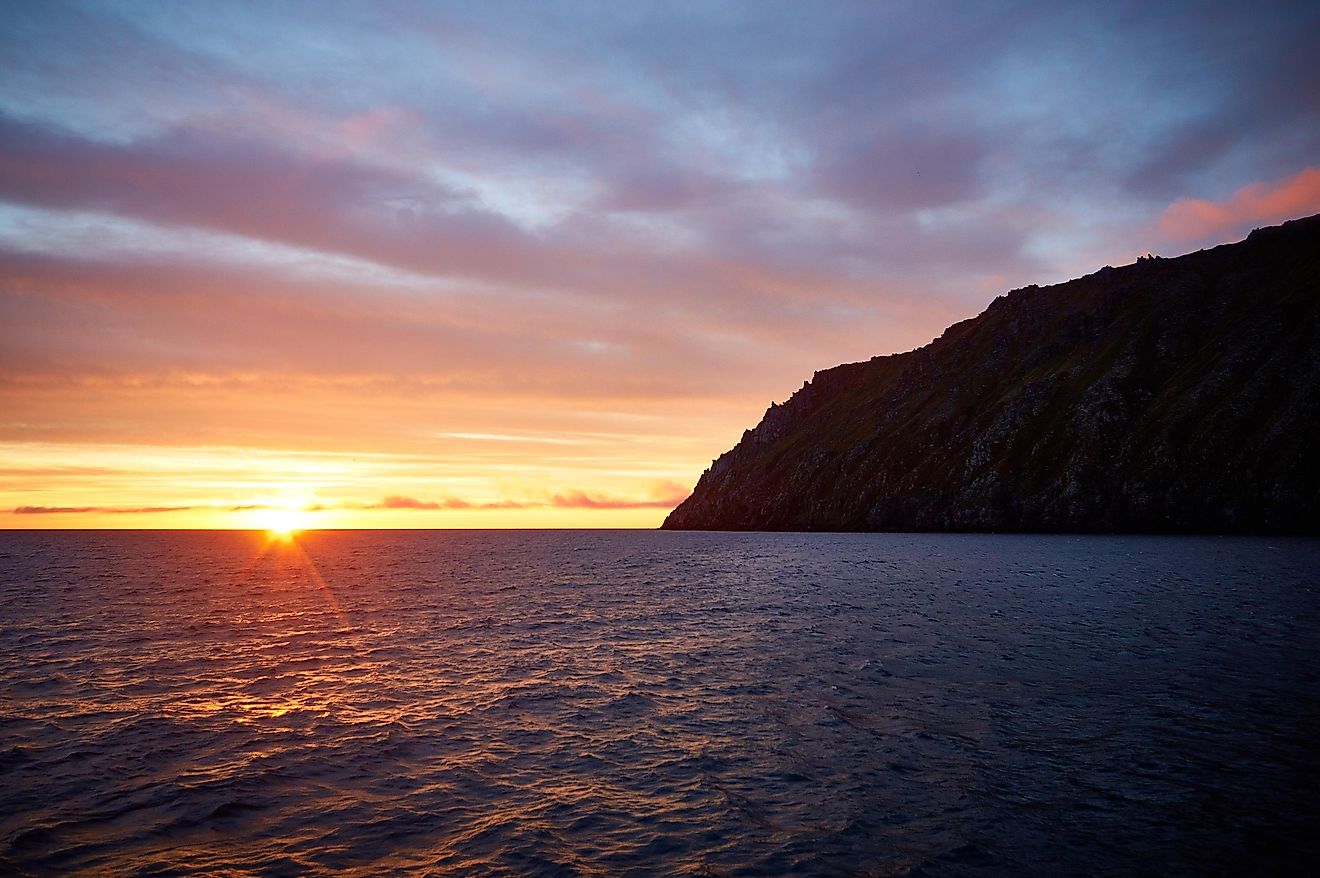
(1173, 395)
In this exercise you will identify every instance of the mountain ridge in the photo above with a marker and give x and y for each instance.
(1169, 395)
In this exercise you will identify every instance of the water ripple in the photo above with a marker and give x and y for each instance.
(567, 703)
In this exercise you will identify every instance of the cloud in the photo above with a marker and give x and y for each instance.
(507, 437)
(1257, 203)
(414, 503)
(663, 495)
(408, 503)
(397, 502)
(46, 472)
(583, 500)
(903, 166)
(391, 502)
(268, 192)
(56, 510)
(114, 510)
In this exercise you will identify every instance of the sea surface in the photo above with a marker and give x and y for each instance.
(654, 703)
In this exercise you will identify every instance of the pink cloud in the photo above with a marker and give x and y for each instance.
(125, 510)
(396, 502)
(664, 495)
(1258, 202)
(364, 130)
(407, 503)
(413, 503)
(403, 219)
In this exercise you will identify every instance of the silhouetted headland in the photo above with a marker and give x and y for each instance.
(1170, 395)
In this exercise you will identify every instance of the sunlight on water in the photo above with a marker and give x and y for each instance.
(641, 703)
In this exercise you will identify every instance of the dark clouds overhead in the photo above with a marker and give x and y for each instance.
(644, 152)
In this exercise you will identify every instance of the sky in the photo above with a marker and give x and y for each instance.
(536, 264)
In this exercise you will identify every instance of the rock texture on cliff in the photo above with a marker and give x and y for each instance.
(1172, 395)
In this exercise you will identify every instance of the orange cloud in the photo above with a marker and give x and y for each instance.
(1258, 202)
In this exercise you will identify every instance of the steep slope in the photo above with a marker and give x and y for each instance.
(1172, 395)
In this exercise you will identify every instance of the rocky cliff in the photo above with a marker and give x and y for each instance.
(1171, 395)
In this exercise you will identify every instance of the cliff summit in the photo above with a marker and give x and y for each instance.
(1170, 395)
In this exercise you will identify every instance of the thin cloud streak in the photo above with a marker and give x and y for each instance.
(112, 510)
(447, 503)
(664, 495)
(567, 500)
(582, 500)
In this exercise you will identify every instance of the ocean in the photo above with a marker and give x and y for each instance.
(655, 703)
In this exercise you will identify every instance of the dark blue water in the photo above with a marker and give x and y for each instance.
(614, 703)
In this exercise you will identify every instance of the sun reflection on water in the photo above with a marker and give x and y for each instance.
(284, 548)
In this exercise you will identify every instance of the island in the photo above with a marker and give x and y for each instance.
(1177, 395)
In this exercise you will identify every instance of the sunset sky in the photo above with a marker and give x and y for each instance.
(535, 265)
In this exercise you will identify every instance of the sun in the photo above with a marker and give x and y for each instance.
(283, 523)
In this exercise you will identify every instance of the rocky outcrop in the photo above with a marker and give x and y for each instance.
(1171, 395)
